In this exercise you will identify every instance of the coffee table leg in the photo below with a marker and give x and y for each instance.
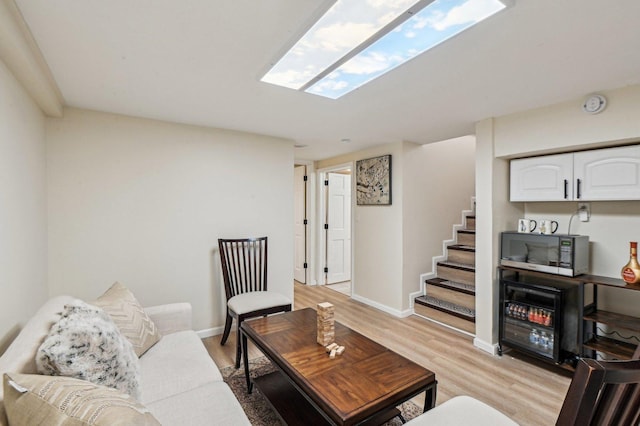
(430, 396)
(246, 363)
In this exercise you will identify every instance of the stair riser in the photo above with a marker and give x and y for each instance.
(461, 256)
(471, 223)
(458, 275)
(466, 239)
(450, 302)
(452, 296)
(445, 318)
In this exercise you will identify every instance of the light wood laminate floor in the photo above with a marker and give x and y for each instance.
(529, 392)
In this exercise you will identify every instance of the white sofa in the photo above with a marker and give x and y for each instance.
(181, 385)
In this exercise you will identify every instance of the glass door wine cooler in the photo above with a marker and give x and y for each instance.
(539, 316)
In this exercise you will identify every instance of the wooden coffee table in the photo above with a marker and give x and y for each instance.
(361, 386)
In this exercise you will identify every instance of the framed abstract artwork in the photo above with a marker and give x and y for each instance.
(373, 181)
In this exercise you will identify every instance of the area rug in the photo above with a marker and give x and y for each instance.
(257, 407)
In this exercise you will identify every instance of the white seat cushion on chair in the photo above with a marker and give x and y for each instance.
(256, 300)
(462, 410)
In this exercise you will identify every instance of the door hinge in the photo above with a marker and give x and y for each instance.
(306, 178)
(305, 265)
(326, 226)
(326, 182)
(305, 222)
(326, 270)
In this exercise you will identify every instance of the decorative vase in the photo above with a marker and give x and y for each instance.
(631, 271)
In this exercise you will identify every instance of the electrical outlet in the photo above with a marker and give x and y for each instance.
(584, 212)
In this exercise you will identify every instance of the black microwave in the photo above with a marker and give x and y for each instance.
(558, 254)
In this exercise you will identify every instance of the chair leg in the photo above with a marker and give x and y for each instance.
(227, 329)
(238, 345)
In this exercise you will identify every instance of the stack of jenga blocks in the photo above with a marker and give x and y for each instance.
(326, 325)
(326, 329)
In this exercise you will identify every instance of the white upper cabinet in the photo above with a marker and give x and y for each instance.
(547, 178)
(602, 174)
(607, 174)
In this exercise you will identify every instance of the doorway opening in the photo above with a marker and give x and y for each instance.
(336, 232)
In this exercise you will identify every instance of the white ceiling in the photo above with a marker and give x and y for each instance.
(199, 62)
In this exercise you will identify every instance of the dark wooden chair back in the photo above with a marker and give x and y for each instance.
(603, 393)
(244, 265)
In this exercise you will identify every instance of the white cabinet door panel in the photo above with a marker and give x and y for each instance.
(608, 174)
(547, 178)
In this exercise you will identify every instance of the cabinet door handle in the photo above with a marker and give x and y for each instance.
(566, 189)
(578, 189)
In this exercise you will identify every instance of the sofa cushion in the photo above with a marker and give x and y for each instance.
(21, 354)
(86, 344)
(210, 404)
(171, 317)
(462, 410)
(133, 322)
(34, 399)
(177, 363)
(256, 300)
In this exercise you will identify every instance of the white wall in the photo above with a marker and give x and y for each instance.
(143, 202)
(392, 245)
(377, 236)
(439, 182)
(565, 127)
(378, 250)
(22, 207)
(494, 213)
(611, 226)
(556, 128)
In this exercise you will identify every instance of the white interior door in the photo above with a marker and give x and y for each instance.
(339, 229)
(299, 215)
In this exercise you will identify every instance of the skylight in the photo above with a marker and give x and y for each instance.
(359, 40)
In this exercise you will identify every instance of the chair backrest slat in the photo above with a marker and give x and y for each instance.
(603, 393)
(244, 265)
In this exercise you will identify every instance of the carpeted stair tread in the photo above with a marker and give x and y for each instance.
(452, 285)
(448, 307)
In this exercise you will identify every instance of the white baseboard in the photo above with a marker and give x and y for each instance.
(209, 332)
(381, 307)
(492, 348)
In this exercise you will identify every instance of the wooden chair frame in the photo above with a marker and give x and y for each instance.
(244, 269)
(603, 393)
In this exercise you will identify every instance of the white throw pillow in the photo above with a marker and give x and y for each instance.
(86, 344)
(32, 399)
(130, 317)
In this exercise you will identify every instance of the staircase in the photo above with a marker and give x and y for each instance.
(450, 295)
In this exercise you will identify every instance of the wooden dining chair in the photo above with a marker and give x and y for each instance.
(244, 270)
(603, 393)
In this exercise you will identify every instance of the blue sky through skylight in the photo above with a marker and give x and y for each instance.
(349, 23)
